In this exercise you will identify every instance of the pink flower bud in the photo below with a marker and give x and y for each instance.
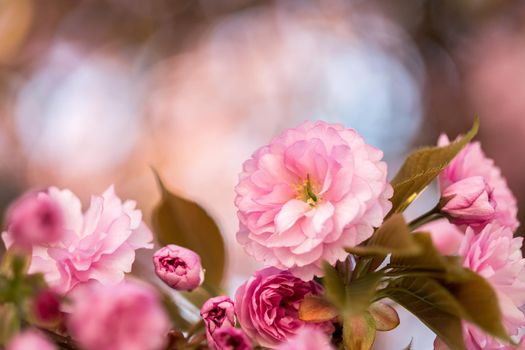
(470, 202)
(178, 267)
(46, 307)
(33, 219)
(217, 312)
(230, 338)
(30, 340)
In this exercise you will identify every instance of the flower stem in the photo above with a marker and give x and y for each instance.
(429, 216)
(196, 327)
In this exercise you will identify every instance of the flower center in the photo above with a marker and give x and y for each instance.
(176, 265)
(307, 193)
(217, 315)
(234, 341)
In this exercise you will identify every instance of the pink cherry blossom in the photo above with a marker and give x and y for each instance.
(446, 237)
(472, 162)
(96, 245)
(267, 306)
(128, 316)
(496, 255)
(35, 218)
(178, 267)
(307, 339)
(30, 340)
(311, 192)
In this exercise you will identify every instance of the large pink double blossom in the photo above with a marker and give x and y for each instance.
(311, 192)
(267, 306)
(98, 244)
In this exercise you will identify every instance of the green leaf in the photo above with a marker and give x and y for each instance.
(15, 263)
(385, 316)
(360, 292)
(429, 260)
(359, 332)
(316, 309)
(182, 222)
(9, 322)
(479, 303)
(392, 237)
(432, 304)
(421, 167)
(334, 287)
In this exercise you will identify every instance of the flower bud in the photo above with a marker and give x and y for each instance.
(46, 307)
(469, 202)
(178, 267)
(230, 338)
(33, 219)
(217, 312)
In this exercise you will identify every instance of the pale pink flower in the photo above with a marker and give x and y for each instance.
(230, 338)
(307, 339)
(470, 162)
(178, 267)
(128, 316)
(446, 237)
(311, 192)
(96, 245)
(35, 218)
(469, 202)
(30, 340)
(267, 306)
(496, 255)
(217, 312)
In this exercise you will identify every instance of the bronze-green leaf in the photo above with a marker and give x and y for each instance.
(316, 309)
(15, 262)
(428, 259)
(9, 322)
(179, 221)
(392, 237)
(360, 292)
(480, 304)
(385, 316)
(334, 286)
(359, 332)
(421, 167)
(434, 305)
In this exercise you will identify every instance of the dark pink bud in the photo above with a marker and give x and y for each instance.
(217, 312)
(46, 307)
(230, 338)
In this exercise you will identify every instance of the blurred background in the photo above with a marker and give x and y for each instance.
(95, 92)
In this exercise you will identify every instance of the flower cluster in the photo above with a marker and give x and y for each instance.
(482, 216)
(315, 207)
